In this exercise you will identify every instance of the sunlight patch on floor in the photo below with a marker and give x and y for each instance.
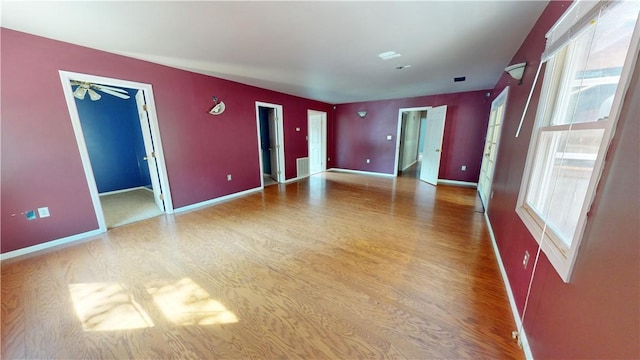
(185, 303)
(106, 306)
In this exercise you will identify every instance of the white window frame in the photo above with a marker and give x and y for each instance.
(561, 256)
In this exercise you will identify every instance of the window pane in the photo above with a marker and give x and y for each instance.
(561, 173)
(593, 76)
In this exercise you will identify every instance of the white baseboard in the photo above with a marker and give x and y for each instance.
(512, 302)
(296, 179)
(216, 200)
(410, 165)
(361, 172)
(122, 191)
(458, 183)
(50, 244)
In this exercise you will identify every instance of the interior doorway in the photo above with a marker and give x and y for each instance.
(317, 141)
(410, 138)
(104, 147)
(270, 142)
(430, 136)
(492, 141)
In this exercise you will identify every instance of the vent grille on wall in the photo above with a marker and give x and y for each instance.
(302, 165)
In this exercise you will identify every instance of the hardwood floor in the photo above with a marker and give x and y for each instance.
(335, 266)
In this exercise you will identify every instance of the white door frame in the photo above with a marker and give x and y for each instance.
(323, 137)
(65, 78)
(399, 133)
(280, 140)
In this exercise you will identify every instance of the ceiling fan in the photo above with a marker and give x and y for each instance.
(84, 87)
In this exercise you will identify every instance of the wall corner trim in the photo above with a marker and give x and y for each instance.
(50, 244)
(216, 200)
(512, 302)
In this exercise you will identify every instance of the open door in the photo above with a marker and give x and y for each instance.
(401, 138)
(491, 144)
(150, 157)
(273, 145)
(433, 144)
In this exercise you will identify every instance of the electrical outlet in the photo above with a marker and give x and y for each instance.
(463, 168)
(229, 177)
(43, 212)
(525, 260)
(368, 161)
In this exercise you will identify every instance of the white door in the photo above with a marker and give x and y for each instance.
(317, 143)
(149, 149)
(433, 144)
(273, 146)
(491, 143)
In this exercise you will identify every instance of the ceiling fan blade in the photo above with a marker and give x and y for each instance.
(114, 93)
(100, 87)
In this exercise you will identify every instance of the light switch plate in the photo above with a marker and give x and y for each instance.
(389, 137)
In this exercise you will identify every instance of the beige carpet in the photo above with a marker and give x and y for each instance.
(127, 207)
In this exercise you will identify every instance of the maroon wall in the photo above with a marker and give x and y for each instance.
(40, 159)
(597, 314)
(358, 139)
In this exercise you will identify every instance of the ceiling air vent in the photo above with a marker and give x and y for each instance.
(459, 78)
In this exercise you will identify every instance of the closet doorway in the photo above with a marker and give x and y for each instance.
(270, 142)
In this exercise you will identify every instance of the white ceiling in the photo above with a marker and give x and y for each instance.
(320, 50)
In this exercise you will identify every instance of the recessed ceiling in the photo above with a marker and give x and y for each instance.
(322, 50)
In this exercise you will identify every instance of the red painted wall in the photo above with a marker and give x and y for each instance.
(465, 127)
(40, 159)
(597, 314)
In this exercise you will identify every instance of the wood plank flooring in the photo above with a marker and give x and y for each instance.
(338, 266)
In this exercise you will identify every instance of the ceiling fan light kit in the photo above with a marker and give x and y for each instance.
(92, 89)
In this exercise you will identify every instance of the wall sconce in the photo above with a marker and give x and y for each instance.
(362, 113)
(218, 107)
(516, 71)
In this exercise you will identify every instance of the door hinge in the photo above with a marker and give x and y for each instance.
(153, 154)
(162, 197)
(144, 107)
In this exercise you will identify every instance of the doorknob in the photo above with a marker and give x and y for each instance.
(145, 158)
(437, 150)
